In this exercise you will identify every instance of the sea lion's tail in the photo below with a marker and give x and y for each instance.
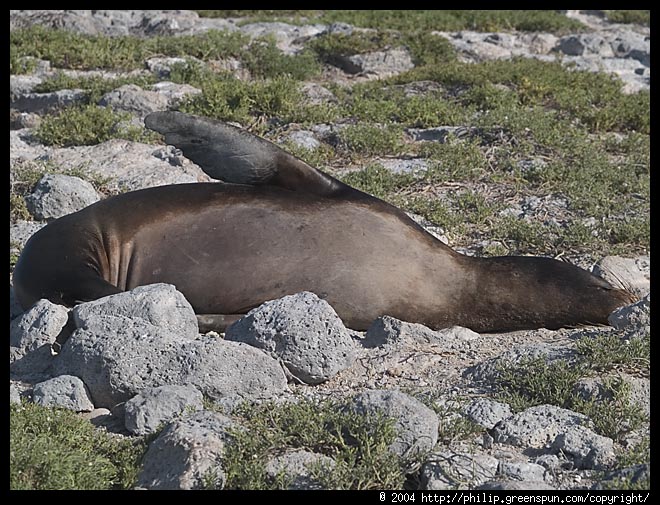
(233, 155)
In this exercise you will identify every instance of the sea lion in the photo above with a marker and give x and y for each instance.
(277, 226)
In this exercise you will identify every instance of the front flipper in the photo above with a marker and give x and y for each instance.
(233, 155)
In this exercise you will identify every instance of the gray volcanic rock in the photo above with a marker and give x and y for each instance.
(416, 424)
(148, 338)
(145, 412)
(57, 195)
(31, 339)
(537, 426)
(160, 305)
(64, 391)
(188, 453)
(303, 331)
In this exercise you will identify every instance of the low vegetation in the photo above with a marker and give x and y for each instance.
(535, 382)
(57, 449)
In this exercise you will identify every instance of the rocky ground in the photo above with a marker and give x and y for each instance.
(136, 361)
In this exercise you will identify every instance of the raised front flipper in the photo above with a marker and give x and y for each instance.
(233, 155)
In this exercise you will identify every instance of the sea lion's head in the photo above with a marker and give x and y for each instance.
(524, 292)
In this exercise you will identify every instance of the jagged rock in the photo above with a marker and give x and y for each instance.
(522, 471)
(486, 412)
(31, 338)
(47, 102)
(577, 45)
(415, 166)
(513, 485)
(637, 315)
(57, 195)
(296, 467)
(380, 63)
(162, 66)
(303, 331)
(174, 92)
(634, 475)
(304, 139)
(416, 424)
(537, 426)
(117, 158)
(388, 331)
(315, 94)
(588, 450)
(286, 35)
(133, 98)
(145, 412)
(65, 391)
(160, 305)
(188, 453)
(118, 356)
(14, 394)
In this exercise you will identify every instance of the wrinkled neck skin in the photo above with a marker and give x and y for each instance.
(511, 293)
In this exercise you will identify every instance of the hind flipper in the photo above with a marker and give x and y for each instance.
(233, 155)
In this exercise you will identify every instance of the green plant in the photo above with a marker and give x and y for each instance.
(56, 449)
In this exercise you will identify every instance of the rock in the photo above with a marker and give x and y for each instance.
(521, 470)
(415, 166)
(295, 465)
(21, 231)
(415, 423)
(503, 485)
(577, 45)
(486, 412)
(57, 195)
(450, 469)
(380, 63)
(173, 92)
(537, 426)
(628, 44)
(118, 356)
(48, 102)
(145, 412)
(303, 331)
(188, 453)
(304, 139)
(117, 159)
(20, 85)
(65, 391)
(387, 331)
(116, 23)
(160, 305)
(315, 94)
(134, 99)
(588, 450)
(31, 339)
(14, 394)
(217, 368)
(439, 133)
(162, 66)
(23, 146)
(634, 273)
(639, 475)
(637, 316)
(286, 35)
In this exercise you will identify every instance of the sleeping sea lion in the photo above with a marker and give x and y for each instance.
(276, 227)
